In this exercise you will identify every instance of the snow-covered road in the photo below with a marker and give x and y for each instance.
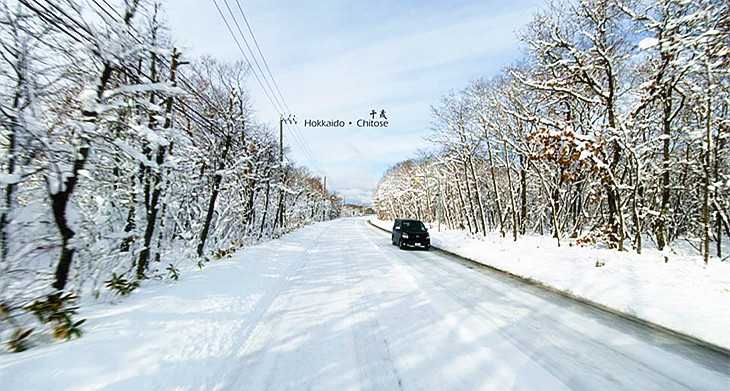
(335, 307)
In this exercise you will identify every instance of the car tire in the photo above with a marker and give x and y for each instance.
(427, 247)
(401, 245)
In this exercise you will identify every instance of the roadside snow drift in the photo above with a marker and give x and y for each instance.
(683, 295)
(335, 307)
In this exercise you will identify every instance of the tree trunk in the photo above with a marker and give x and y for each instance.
(130, 225)
(163, 212)
(61, 196)
(266, 209)
(523, 196)
(463, 209)
(152, 211)
(555, 195)
(511, 196)
(470, 197)
(153, 206)
(250, 212)
(615, 236)
(10, 187)
(280, 208)
(59, 202)
(707, 188)
(553, 207)
(214, 195)
(497, 199)
(637, 218)
(719, 146)
(666, 127)
(478, 195)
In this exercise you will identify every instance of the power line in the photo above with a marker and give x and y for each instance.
(78, 31)
(42, 15)
(253, 56)
(297, 137)
(278, 109)
(294, 129)
(305, 148)
(85, 33)
(258, 48)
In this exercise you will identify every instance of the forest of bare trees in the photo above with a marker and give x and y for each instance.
(613, 128)
(122, 158)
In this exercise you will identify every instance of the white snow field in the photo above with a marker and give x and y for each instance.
(684, 294)
(334, 306)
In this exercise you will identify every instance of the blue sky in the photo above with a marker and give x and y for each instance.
(342, 59)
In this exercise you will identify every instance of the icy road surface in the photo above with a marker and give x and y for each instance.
(335, 306)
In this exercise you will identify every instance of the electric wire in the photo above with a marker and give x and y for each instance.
(279, 110)
(296, 135)
(296, 131)
(253, 56)
(87, 34)
(261, 54)
(78, 36)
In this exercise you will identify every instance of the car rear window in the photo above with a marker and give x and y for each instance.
(414, 226)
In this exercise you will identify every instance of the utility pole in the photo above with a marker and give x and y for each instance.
(290, 119)
(326, 194)
(281, 140)
(441, 203)
(280, 209)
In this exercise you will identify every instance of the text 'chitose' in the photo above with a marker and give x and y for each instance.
(372, 122)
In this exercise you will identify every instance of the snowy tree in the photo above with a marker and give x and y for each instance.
(602, 131)
(121, 158)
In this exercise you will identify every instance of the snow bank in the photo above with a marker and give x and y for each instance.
(181, 336)
(683, 294)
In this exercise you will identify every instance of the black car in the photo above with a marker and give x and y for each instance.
(408, 232)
